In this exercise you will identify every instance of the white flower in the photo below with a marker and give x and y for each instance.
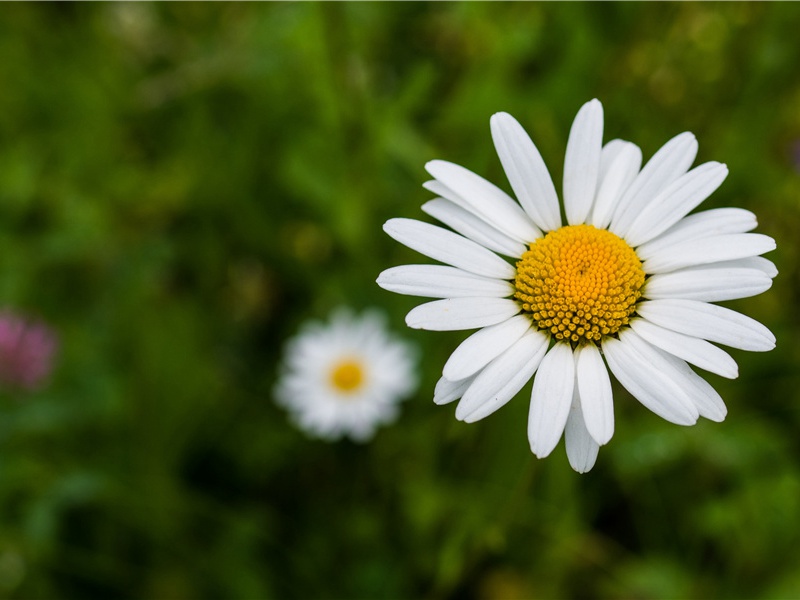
(345, 377)
(629, 278)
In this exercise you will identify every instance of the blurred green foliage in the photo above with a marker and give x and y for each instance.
(182, 185)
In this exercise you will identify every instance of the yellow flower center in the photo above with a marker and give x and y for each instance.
(580, 283)
(347, 375)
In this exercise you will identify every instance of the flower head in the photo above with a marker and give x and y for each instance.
(345, 377)
(27, 350)
(624, 283)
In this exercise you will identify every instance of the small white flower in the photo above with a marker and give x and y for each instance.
(629, 278)
(345, 377)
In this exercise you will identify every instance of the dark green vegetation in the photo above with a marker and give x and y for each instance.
(182, 185)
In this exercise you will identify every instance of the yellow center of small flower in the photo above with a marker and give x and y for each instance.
(347, 375)
(579, 283)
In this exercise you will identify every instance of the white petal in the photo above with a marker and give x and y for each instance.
(500, 381)
(709, 322)
(447, 391)
(670, 162)
(436, 281)
(758, 263)
(596, 399)
(611, 151)
(473, 227)
(694, 350)
(614, 179)
(485, 199)
(708, 250)
(449, 248)
(709, 284)
(707, 400)
(437, 187)
(707, 223)
(551, 399)
(479, 210)
(582, 162)
(640, 371)
(675, 201)
(764, 265)
(581, 448)
(483, 346)
(526, 171)
(461, 313)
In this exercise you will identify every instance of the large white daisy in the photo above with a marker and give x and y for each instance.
(345, 377)
(625, 285)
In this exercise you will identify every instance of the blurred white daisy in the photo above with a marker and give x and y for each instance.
(345, 377)
(628, 278)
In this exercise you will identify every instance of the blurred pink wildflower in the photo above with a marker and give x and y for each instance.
(27, 349)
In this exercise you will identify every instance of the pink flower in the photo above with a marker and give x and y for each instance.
(27, 349)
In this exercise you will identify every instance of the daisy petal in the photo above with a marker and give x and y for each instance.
(691, 349)
(640, 370)
(611, 150)
(716, 221)
(454, 314)
(551, 399)
(614, 179)
(764, 265)
(447, 391)
(500, 381)
(582, 162)
(705, 399)
(485, 199)
(581, 448)
(670, 162)
(708, 401)
(709, 322)
(436, 281)
(448, 247)
(596, 399)
(473, 227)
(710, 284)
(479, 210)
(675, 201)
(526, 171)
(708, 250)
(483, 346)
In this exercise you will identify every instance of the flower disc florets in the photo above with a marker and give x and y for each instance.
(579, 282)
(347, 376)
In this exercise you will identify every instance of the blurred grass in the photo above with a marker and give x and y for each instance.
(181, 185)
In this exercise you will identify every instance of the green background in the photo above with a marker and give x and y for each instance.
(181, 186)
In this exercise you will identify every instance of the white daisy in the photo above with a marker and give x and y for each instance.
(629, 277)
(345, 377)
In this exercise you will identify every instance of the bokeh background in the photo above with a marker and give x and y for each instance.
(183, 185)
